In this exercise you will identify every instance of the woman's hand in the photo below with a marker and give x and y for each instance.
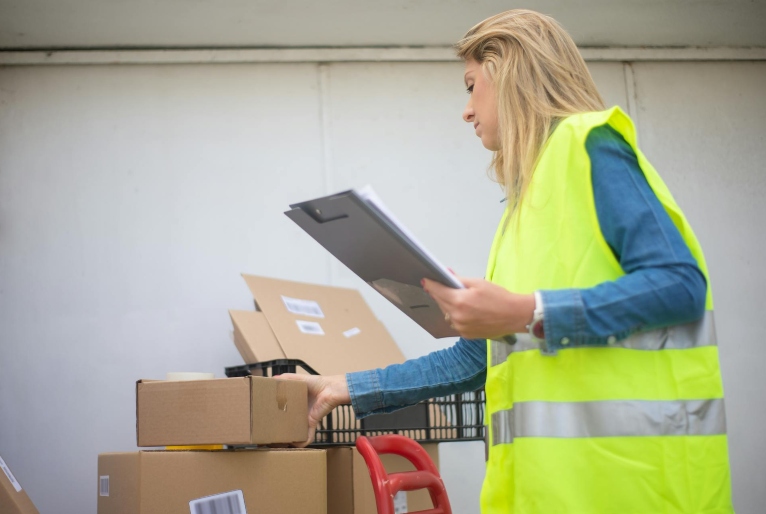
(325, 393)
(482, 309)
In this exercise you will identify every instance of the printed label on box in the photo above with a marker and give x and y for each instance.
(303, 307)
(232, 502)
(310, 327)
(400, 503)
(351, 332)
(103, 485)
(10, 476)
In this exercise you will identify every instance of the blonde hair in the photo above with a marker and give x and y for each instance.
(539, 78)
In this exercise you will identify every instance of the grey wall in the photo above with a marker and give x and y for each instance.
(131, 197)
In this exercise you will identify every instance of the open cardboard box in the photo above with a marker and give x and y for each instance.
(234, 411)
(332, 329)
(13, 499)
(276, 481)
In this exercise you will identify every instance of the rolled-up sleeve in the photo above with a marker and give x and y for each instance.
(459, 368)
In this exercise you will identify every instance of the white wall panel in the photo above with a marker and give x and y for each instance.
(703, 125)
(130, 200)
(132, 196)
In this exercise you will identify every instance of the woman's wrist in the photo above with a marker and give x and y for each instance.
(339, 388)
(524, 311)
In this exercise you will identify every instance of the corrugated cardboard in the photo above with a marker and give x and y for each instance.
(254, 338)
(351, 338)
(13, 498)
(164, 482)
(349, 486)
(246, 410)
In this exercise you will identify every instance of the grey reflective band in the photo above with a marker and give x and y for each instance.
(616, 418)
(676, 337)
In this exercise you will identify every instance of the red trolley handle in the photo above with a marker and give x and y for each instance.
(386, 486)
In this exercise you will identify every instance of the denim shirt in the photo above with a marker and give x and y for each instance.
(662, 286)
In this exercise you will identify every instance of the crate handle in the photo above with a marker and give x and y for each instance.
(386, 486)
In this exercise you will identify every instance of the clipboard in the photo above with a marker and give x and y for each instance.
(357, 229)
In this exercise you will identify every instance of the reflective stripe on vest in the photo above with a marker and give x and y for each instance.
(620, 418)
(678, 337)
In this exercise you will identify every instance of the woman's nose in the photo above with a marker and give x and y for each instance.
(468, 113)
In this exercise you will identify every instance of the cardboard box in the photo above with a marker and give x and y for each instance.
(13, 499)
(332, 329)
(349, 486)
(271, 481)
(235, 411)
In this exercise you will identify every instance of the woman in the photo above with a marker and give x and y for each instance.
(610, 401)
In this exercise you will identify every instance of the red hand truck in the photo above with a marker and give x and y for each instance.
(386, 486)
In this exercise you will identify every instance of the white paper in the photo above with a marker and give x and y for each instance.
(400, 503)
(10, 476)
(309, 327)
(232, 502)
(303, 307)
(369, 196)
(103, 485)
(351, 332)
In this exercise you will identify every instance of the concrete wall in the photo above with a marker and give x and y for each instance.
(131, 197)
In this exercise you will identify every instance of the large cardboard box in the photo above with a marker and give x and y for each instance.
(349, 486)
(13, 499)
(179, 482)
(332, 329)
(235, 411)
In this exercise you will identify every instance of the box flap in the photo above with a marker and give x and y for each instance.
(332, 329)
(254, 338)
(168, 413)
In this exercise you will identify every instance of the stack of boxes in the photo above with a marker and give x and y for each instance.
(334, 331)
(233, 411)
(330, 328)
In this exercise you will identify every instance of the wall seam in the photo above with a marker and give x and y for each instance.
(631, 95)
(325, 130)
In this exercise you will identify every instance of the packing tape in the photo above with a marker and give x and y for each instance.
(281, 395)
(184, 376)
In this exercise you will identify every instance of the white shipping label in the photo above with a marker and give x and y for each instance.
(10, 476)
(103, 485)
(232, 502)
(303, 307)
(351, 332)
(400, 503)
(310, 327)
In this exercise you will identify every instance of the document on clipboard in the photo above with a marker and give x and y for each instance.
(357, 228)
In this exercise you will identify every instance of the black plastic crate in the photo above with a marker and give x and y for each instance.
(458, 417)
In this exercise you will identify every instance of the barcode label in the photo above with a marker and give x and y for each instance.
(303, 307)
(103, 485)
(232, 502)
(400, 503)
(351, 332)
(10, 476)
(310, 327)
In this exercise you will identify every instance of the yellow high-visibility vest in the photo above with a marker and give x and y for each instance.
(635, 427)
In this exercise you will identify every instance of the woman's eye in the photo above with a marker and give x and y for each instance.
(469, 90)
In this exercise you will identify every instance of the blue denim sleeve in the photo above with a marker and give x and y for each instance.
(663, 284)
(459, 368)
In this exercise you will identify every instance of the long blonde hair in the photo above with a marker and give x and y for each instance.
(539, 78)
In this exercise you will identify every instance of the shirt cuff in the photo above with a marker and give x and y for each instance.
(364, 390)
(564, 318)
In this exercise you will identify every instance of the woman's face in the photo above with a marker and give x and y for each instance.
(481, 109)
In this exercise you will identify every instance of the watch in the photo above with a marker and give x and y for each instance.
(536, 327)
